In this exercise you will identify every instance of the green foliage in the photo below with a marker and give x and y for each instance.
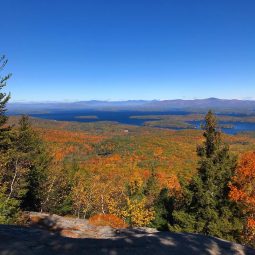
(4, 98)
(56, 189)
(9, 208)
(152, 186)
(163, 206)
(33, 152)
(205, 207)
(212, 136)
(23, 160)
(23, 172)
(65, 203)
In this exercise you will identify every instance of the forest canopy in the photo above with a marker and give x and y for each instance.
(184, 181)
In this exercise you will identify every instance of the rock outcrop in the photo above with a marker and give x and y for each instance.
(51, 234)
(69, 227)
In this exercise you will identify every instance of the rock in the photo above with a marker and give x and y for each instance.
(70, 233)
(69, 227)
(16, 240)
(54, 235)
(106, 231)
(147, 230)
(35, 218)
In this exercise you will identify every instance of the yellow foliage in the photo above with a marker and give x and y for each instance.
(136, 184)
(137, 213)
(134, 211)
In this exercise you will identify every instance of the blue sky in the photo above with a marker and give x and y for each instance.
(67, 50)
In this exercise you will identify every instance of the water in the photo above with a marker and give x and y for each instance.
(236, 127)
(123, 117)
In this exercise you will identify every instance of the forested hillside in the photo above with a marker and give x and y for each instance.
(95, 166)
(181, 181)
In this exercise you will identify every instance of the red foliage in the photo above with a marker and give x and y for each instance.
(107, 220)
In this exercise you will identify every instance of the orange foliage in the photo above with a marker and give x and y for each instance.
(63, 152)
(251, 223)
(112, 159)
(63, 136)
(169, 181)
(242, 190)
(64, 143)
(107, 220)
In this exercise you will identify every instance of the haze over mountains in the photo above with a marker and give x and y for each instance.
(196, 105)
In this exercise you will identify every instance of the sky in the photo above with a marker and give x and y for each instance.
(70, 50)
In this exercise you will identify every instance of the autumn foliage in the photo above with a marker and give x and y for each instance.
(107, 220)
(133, 179)
(243, 191)
(66, 143)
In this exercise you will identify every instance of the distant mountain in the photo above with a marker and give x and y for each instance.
(205, 104)
(196, 105)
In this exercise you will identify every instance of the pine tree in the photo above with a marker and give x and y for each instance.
(8, 205)
(4, 98)
(35, 158)
(158, 199)
(206, 207)
(23, 160)
(163, 206)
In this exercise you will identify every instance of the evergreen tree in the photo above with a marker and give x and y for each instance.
(35, 159)
(206, 207)
(4, 98)
(163, 206)
(8, 205)
(23, 160)
(159, 200)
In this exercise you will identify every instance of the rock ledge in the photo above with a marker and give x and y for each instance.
(51, 234)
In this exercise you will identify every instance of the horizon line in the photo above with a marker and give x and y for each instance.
(126, 100)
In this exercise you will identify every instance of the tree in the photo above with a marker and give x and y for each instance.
(84, 193)
(243, 192)
(205, 207)
(212, 137)
(163, 206)
(8, 205)
(34, 156)
(4, 98)
(136, 213)
(138, 210)
(23, 159)
(132, 205)
(157, 195)
(24, 171)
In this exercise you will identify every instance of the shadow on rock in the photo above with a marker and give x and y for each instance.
(15, 240)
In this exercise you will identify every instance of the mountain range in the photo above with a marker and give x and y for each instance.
(196, 105)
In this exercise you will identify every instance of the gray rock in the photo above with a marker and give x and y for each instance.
(78, 237)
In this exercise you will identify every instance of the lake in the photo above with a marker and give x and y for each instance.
(123, 117)
(236, 127)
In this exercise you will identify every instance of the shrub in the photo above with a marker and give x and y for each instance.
(107, 220)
